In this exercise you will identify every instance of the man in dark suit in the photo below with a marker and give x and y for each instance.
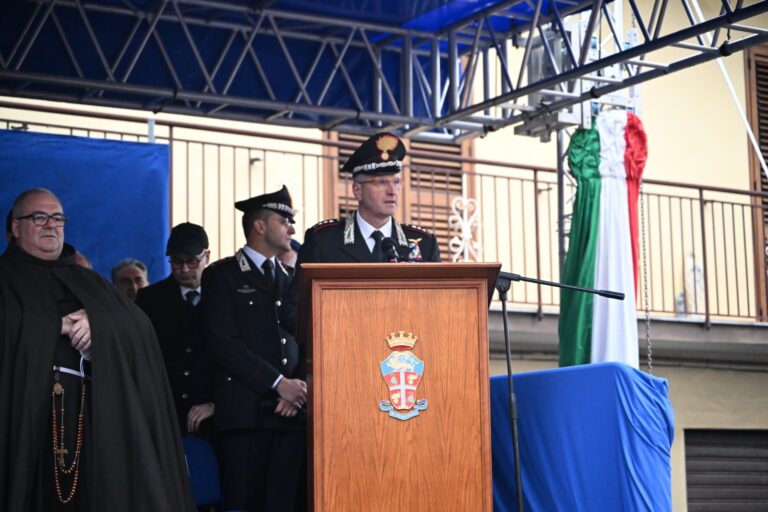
(375, 168)
(172, 306)
(260, 387)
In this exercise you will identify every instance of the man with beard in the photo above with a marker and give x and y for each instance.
(88, 419)
(260, 386)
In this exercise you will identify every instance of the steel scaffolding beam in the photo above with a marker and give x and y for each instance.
(521, 63)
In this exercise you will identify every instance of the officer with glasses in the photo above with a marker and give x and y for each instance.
(377, 185)
(172, 306)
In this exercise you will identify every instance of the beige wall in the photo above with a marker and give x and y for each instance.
(702, 398)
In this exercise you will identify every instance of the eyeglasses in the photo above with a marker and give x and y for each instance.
(385, 182)
(41, 218)
(191, 263)
(285, 221)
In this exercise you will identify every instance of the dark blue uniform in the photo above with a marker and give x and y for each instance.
(248, 327)
(340, 241)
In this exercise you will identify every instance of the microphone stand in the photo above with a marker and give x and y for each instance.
(503, 284)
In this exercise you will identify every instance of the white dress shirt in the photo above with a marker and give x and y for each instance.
(367, 230)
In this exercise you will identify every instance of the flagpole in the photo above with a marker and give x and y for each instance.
(503, 284)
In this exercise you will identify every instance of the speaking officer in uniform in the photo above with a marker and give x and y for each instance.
(172, 306)
(375, 168)
(260, 385)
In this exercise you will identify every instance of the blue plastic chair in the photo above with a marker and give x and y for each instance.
(203, 469)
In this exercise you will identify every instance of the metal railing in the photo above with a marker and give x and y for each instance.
(700, 241)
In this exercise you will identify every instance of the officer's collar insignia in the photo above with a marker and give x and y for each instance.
(242, 260)
(385, 144)
(349, 230)
(402, 372)
(401, 240)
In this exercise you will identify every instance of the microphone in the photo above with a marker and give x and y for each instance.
(389, 250)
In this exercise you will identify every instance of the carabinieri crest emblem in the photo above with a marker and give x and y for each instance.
(402, 372)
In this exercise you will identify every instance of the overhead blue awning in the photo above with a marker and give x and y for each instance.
(414, 67)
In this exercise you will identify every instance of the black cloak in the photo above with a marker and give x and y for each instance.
(135, 451)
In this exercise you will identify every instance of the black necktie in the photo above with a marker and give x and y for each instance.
(269, 273)
(193, 297)
(377, 254)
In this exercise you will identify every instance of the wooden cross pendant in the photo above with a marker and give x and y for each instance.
(60, 454)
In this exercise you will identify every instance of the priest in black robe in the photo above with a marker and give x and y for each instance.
(86, 417)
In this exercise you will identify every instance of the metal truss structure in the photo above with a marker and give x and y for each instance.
(527, 63)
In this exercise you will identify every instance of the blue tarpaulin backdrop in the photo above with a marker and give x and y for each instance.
(592, 438)
(115, 193)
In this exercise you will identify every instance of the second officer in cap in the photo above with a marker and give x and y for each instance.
(377, 184)
(260, 388)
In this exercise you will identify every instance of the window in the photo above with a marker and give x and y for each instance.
(757, 111)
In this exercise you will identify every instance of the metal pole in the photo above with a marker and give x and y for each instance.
(704, 260)
(502, 286)
(561, 251)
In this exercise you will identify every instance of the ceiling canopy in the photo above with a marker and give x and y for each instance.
(436, 69)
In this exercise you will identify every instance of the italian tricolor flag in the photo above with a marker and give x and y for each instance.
(607, 163)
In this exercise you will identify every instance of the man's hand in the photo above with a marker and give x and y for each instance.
(76, 326)
(197, 414)
(293, 391)
(286, 409)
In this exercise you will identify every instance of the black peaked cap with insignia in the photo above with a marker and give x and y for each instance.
(279, 202)
(382, 153)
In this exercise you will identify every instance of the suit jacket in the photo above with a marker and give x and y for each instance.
(248, 328)
(340, 241)
(178, 326)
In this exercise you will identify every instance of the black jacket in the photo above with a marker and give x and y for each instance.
(248, 329)
(178, 326)
(340, 241)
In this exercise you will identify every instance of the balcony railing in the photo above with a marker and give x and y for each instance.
(700, 258)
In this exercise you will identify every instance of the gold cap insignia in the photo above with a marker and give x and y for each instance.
(385, 144)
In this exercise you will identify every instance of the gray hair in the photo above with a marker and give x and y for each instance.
(127, 262)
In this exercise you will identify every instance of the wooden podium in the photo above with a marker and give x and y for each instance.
(364, 455)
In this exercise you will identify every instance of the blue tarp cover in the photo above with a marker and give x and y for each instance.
(592, 438)
(115, 193)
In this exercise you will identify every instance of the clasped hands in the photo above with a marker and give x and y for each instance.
(293, 396)
(76, 326)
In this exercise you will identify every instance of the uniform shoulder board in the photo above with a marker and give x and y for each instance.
(219, 262)
(326, 223)
(419, 229)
